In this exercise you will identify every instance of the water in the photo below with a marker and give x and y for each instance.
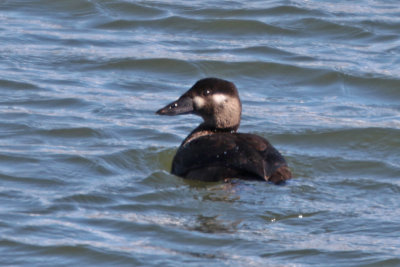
(84, 161)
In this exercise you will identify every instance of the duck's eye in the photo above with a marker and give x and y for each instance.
(207, 92)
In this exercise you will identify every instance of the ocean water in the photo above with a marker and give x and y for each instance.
(84, 160)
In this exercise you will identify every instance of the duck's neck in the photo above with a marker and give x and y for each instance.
(204, 129)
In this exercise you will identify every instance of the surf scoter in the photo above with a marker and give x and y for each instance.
(215, 150)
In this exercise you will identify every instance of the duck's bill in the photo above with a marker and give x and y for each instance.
(184, 105)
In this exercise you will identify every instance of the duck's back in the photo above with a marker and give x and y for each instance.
(230, 155)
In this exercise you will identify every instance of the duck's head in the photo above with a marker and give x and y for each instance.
(215, 100)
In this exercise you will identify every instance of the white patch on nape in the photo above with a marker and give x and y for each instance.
(198, 101)
(219, 98)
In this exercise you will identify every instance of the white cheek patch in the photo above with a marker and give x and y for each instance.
(219, 98)
(198, 102)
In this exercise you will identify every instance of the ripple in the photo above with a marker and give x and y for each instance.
(32, 181)
(323, 27)
(212, 27)
(362, 138)
(250, 11)
(50, 253)
(85, 199)
(14, 85)
(161, 65)
(71, 133)
(130, 9)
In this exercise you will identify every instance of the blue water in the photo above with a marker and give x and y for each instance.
(84, 160)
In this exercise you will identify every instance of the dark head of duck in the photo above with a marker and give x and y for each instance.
(216, 101)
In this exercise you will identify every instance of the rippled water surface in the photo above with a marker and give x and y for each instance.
(84, 161)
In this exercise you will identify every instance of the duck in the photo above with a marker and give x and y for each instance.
(215, 150)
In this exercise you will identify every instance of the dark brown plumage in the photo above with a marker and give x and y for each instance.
(214, 150)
